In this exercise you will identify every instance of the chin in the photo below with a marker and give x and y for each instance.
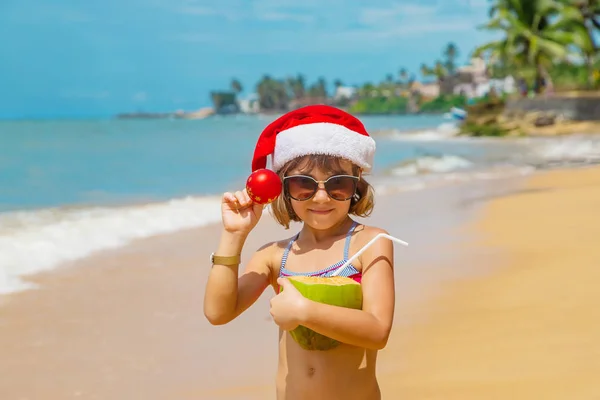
(323, 222)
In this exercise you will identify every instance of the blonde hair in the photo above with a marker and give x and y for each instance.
(361, 204)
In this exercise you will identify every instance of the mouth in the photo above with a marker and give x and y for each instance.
(321, 212)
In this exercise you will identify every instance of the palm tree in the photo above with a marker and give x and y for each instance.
(297, 86)
(534, 35)
(425, 71)
(439, 70)
(403, 75)
(451, 54)
(272, 94)
(581, 18)
(236, 86)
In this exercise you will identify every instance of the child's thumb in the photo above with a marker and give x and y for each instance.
(283, 282)
(257, 209)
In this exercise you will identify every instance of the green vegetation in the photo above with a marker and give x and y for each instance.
(380, 105)
(541, 39)
(482, 118)
(545, 45)
(443, 103)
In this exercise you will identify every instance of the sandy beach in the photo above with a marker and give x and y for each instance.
(530, 329)
(495, 299)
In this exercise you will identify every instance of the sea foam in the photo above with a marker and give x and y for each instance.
(38, 240)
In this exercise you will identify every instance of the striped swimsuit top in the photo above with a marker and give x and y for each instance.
(350, 271)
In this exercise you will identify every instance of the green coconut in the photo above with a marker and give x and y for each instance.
(337, 291)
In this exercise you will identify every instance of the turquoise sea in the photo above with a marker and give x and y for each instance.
(55, 163)
(72, 187)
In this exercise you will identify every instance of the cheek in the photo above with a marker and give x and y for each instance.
(298, 207)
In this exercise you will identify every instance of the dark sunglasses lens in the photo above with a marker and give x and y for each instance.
(341, 187)
(300, 188)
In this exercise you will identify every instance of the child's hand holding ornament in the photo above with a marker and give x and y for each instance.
(242, 210)
(263, 186)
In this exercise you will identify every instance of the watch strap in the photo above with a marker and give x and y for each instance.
(225, 260)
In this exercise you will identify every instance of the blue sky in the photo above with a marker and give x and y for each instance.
(96, 58)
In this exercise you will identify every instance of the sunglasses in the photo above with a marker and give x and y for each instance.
(338, 187)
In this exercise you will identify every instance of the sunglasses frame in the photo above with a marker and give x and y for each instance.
(356, 179)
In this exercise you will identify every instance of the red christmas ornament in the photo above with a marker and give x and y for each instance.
(263, 186)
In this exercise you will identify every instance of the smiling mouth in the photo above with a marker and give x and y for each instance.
(321, 211)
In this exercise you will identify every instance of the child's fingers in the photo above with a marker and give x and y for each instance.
(228, 197)
(231, 200)
(243, 199)
(247, 197)
(237, 200)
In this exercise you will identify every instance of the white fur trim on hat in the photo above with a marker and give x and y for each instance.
(323, 138)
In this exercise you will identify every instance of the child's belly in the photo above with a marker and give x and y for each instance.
(345, 372)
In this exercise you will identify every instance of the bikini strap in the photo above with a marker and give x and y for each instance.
(292, 240)
(287, 250)
(348, 237)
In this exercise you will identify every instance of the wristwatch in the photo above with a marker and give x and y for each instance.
(224, 260)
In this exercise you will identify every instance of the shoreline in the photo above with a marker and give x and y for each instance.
(128, 323)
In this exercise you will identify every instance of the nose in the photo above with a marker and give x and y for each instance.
(321, 195)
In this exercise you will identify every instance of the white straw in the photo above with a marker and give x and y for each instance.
(358, 253)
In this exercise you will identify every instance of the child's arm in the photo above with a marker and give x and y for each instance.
(369, 327)
(228, 295)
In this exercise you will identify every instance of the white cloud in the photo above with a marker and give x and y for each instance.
(203, 11)
(391, 15)
(235, 10)
(473, 3)
(401, 20)
(382, 23)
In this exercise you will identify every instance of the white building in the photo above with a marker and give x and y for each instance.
(342, 92)
(250, 104)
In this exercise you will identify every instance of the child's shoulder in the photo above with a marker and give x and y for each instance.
(380, 248)
(272, 253)
(276, 246)
(364, 233)
(273, 250)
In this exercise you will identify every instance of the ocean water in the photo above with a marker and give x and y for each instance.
(69, 188)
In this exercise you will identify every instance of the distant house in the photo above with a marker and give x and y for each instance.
(466, 79)
(429, 90)
(250, 104)
(473, 81)
(224, 102)
(344, 92)
(506, 85)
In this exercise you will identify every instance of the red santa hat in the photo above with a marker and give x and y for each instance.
(314, 129)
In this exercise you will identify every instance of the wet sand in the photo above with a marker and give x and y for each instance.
(531, 329)
(128, 323)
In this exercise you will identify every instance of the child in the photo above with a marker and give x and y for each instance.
(321, 154)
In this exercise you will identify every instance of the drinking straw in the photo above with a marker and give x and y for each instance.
(366, 246)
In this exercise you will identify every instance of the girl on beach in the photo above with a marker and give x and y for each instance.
(321, 154)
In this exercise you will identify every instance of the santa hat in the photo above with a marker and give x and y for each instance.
(314, 129)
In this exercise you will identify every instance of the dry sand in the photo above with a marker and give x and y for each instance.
(127, 324)
(530, 330)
